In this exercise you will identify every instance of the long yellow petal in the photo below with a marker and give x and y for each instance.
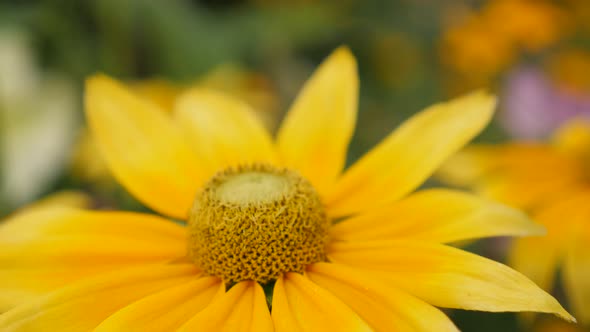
(21, 285)
(224, 131)
(576, 276)
(41, 222)
(437, 215)
(142, 146)
(83, 306)
(300, 305)
(315, 134)
(384, 307)
(409, 155)
(43, 248)
(447, 277)
(242, 308)
(164, 311)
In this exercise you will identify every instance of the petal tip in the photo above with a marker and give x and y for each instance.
(344, 56)
(526, 225)
(562, 313)
(343, 50)
(486, 98)
(96, 80)
(479, 103)
(558, 310)
(97, 87)
(537, 229)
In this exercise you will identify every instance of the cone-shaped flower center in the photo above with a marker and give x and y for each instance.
(255, 223)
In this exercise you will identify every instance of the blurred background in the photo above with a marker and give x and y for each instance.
(534, 53)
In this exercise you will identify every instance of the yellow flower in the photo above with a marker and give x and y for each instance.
(571, 71)
(550, 181)
(533, 25)
(476, 42)
(483, 43)
(266, 221)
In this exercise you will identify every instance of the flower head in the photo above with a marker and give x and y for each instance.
(277, 236)
(550, 180)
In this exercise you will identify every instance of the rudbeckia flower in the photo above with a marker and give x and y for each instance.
(550, 181)
(273, 235)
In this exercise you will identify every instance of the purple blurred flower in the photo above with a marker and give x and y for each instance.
(533, 106)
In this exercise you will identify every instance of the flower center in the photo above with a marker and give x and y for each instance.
(256, 223)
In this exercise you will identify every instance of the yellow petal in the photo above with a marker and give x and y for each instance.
(254, 88)
(69, 198)
(21, 285)
(475, 162)
(314, 136)
(166, 310)
(384, 307)
(536, 258)
(573, 138)
(527, 193)
(224, 131)
(437, 215)
(409, 155)
(565, 217)
(84, 305)
(300, 305)
(447, 277)
(539, 258)
(41, 222)
(465, 167)
(142, 146)
(242, 308)
(46, 247)
(576, 276)
(518, 174)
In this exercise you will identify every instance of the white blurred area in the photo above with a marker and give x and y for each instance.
(38, 118)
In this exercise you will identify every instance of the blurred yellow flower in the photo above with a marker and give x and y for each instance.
(274, 221)
(253, 88)
(530, 24)
(550, 181)
(476, 48)
(481, 44)
(570, 69)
